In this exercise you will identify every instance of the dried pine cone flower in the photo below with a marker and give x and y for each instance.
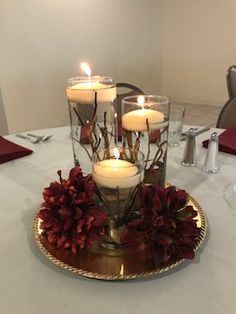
(165, 225)
(70, 219)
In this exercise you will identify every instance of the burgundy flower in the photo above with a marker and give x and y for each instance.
(165, 226)
(70, 219)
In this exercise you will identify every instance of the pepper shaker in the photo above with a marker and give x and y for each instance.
(190, 147)
(211, 162)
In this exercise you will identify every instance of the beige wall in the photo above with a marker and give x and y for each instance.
(179, 48)
(197, 48)
(43, 42)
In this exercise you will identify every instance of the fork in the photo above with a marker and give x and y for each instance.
(32, 140)
(42, 138)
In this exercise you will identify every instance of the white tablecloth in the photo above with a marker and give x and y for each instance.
(31, 284)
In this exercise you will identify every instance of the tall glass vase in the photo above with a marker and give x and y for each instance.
(92, 116)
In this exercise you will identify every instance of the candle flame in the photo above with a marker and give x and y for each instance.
(116, 153)
(141, 101)
(86, 69)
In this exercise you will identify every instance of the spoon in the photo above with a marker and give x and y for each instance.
(32, 140)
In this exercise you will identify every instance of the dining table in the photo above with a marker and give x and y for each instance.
(32, 284)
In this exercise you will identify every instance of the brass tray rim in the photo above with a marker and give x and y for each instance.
(112, 277)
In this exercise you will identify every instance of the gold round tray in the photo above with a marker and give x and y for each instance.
(99, 265)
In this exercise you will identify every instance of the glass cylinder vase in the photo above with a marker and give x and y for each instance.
(145, 120)
(118, 175)
(92, 116)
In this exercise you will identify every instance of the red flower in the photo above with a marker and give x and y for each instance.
(165, 225)
(70, 219)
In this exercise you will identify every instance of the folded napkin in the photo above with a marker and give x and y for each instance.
(85, 134)
(227, 142)
(10, 151)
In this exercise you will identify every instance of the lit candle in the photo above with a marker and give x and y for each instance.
(116, 173)
(136, 120)
(83, 92)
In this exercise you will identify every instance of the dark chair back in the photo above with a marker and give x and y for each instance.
(227, 116)
(3, 119)
(124, 90)
(231, 81)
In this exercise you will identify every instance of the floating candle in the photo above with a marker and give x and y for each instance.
(136, 120)
(82, 89)
(84, 92)
(116, 173)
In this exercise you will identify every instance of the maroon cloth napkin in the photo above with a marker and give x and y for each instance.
(85, 134)
(227, 142)
(10, 151)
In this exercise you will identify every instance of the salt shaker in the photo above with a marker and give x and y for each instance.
(190, 147)
(211, 164)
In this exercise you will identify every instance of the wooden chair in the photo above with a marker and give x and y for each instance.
(231, 81)
(227, 116)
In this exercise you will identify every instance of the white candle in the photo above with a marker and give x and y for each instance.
(113, 173)
(136, 120)
(84, 92)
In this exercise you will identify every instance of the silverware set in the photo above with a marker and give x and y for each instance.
(32, 138)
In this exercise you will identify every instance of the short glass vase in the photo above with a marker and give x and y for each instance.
(118, 175)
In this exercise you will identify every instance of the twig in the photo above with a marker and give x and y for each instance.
(104, 132)
(95, 110)
(84, 147)
(128, 137)
(93, 123)
(99, 195)
(137, 141)
(78, 116)
(118, 198)
(156, 158)
(133, 195)
(149, 146)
